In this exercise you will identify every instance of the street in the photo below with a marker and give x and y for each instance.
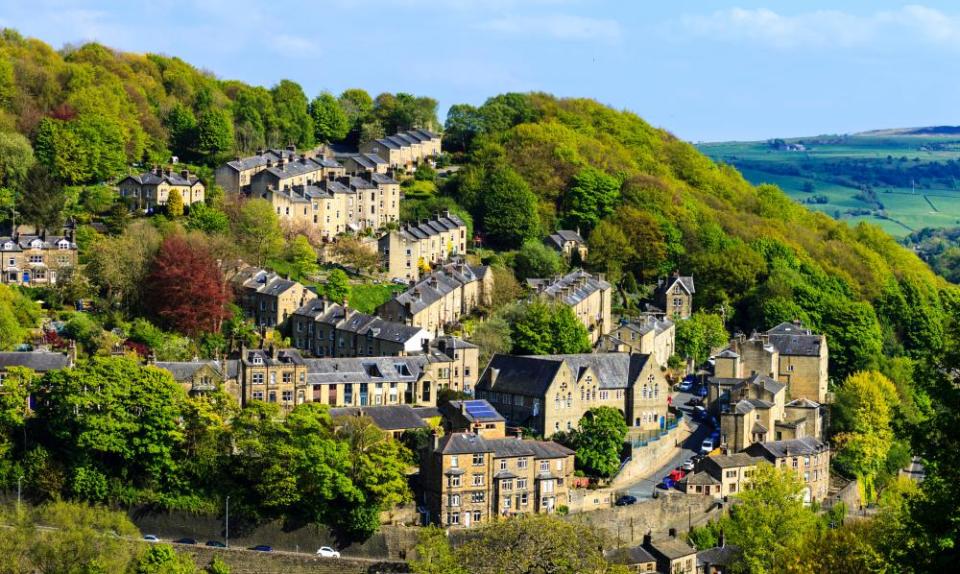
(644, 487)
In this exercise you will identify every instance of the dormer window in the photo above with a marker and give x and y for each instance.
(62, 244)
(8, 246)
(36, 244)
(257, 360)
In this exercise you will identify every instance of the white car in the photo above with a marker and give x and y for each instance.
(327, 552)
(688, 465)
(150, 538)
(707, 446)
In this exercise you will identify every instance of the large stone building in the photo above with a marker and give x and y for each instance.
(360, 162)
(327, 329)
(153, 188)
(405, 149)
(551, 393)
(336, 205)
(268, 299)
(441, 298)
(789, 353)
(589, 297)
(469, 480)
(200, 377)
(36, 259)
(675, 296)
(418, 248)
(647, 335)
(39, 362)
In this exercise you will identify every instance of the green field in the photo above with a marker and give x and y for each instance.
(900, 181)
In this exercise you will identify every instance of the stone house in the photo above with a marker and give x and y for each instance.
(391, 419)
(286, 173)
(568, 242)
(36, 259)
(153, 188)
(635, 558)
(268, 299)
(39, 362)
(674, 295)
(721, 475)
(200, 377)
(809, 457)
(587, 295)
(420, 247)
(789, 353)
(441, 298)
(646, 335)
(462, 360)
(357, 163)
(673, 556)
(327, 329)
(551, 393)
(469, 480)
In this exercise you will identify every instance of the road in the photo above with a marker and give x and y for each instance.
(644, 487)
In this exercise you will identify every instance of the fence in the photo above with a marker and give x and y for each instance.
(643, 438)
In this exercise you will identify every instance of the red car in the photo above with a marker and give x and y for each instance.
(677, 474)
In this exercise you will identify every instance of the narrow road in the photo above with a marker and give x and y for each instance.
(644, 487)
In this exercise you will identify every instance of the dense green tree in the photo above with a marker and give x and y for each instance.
(162, 559)
(175, 204)
(699, 335)
(337, 286)
(215, 136)
(16, 158)
(302, 257)
(330, 122)
(18, 314)
(534, 259)
(42, 199)
(599, 441)
(255, 225)
(591, 197)
(540, 328)
(209, 220)
(435, 555)
(509, 210)
(463, 123)
(294, 124)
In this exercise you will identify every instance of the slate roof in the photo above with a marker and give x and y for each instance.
(172, 178)
(184, 370)
(383, 179)
(701, 478)
(21, 242)
(265, 357)
(803, 404)
(429, 228)
(296, 168)
(260, 160)
(778, 449)
(613, 370)
(262, 281)
(444, 342)
(572, 288)
(646, 324)
(39, 361)
(435, 286)
(795, 340)
(670, 548)
(728, 354)
(531, 375)
(734, 460)
(632, 555)
(428, 412)
(745, 406)
(364, 160)
(766, 383)
(469, 443)
(686, 281)
(386, 417)
(717, 556)
(364, 369)
(562, 236)
(362, 324)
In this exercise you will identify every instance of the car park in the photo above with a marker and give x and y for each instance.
(185, 541)
(626, 500)
(262, 548)
(327, 552)
(151, 538)
(216, 544)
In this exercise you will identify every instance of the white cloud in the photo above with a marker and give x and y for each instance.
(294, 44)
(558, 26)
(827, 28)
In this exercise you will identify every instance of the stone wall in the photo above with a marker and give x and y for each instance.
(243, 562)
(651, 457)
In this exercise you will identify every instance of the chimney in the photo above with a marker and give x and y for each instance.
(463, 407)
(722, 542)
(269, 163)
(281, 162)
(292, 148)
(273, 351)
(647, 539)
(673, 533)
(303, 159)
(259, 151)
(332, 176)
(185, 174)
(436, 439)
(156, 170)
(168, 170)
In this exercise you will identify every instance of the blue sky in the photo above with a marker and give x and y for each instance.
(705, 70)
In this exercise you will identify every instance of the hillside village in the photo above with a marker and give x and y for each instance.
(264, 321)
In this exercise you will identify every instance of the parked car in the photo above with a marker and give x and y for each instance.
(327, 552)
(685, 387)
(262, 548)
(151, 538)
(688, 465)
(185, 541)
(701, 391)
(667, 483)
(626, 500)
(707, 446)
(216, 544)
(677, 474)
(698, 412)
(694, 402)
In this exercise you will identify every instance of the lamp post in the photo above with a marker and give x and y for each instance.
(19, 481)
(226, 537)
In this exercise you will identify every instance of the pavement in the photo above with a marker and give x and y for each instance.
(644, 488)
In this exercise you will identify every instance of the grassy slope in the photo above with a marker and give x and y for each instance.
(905, 210)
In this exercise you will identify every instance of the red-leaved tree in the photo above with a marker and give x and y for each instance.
(185, 289)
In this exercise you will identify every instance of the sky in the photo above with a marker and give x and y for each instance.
(707, 70)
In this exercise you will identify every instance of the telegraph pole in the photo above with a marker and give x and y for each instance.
(19, 481)
(226, 537)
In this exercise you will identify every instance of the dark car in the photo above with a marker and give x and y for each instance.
(694, 402)
(262, 548)
(626, 500)
(185, 541)
(702, 391)
(667, 483)
(216, 544)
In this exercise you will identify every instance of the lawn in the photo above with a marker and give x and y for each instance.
(915, 178)
(366, 297)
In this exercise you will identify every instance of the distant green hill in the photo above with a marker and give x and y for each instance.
(903, 179)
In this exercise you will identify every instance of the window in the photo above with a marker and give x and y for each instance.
(455, 518)
(523, 499)
(604, 395)
(455, 481)
(544, 466)
(478, 480)
(476, 516)
(258, 378)
(273, 378)
(522, 463)
(521, 483)
(454, 500)
(273, 396)
(477, 496)
(559, 465)
(453, 461)
(287, 396)
(287, 377)
(506, 484)
(478, 459)
(258, 395)
(546, 486)
(506, 502)
(503, 464)
(731, 474)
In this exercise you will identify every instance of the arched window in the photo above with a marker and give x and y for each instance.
(569, 400)
(656, 390)
(556, 401)
(644, 390)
